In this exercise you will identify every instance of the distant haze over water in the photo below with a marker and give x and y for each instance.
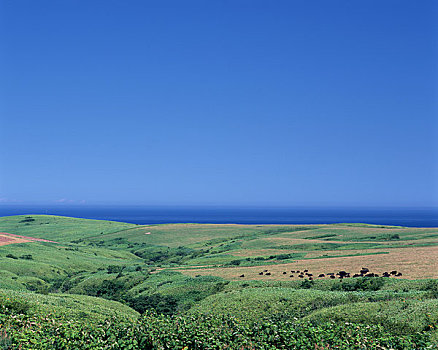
(413, 217)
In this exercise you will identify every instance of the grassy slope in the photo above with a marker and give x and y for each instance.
(89, 245)
(195, 235)
(88, 248)
(52, 261)
(66, 305)
(58, 228)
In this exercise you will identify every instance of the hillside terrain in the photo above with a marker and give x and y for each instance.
(277, 286)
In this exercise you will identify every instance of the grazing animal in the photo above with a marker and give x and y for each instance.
(332, 276)
(310, 278)
(399, 274)
(265, 270)
(292, 271)
(291, 276)
(364, 270)
(268, 274)
(306, 270)
(242, 276)
(260, 273)
(284, 273)
(301, 276)
(321, 275)
(393, 272)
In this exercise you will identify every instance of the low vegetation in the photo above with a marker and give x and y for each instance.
(109, 285)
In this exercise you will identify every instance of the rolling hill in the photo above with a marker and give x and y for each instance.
(92, 271)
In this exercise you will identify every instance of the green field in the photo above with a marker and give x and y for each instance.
(111, 285)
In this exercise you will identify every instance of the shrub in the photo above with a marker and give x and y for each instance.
(235, 262)
(115, 269)
(27, 257)
(5, 340)
(359, 284)
(432, 288)
(27, 219)
(162, 304)
(13, 306)
(306, 284)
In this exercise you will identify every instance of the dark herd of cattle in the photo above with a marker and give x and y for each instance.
(364, 272)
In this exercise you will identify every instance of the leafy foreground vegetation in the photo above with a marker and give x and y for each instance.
(106, 285)
(27, 330)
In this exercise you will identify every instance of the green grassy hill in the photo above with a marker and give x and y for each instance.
(99, 276)
(65, 305)
(58, 228)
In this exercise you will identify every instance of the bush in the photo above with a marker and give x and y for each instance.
(37, 286)
(27, 219)
(235, 262)
(359, 284)
(108, 289)
(115, 269)
(26, 257)
(162, 304)
(306, 284)
(13, 306)
(201, 332)
(432, 288)
(5, 340)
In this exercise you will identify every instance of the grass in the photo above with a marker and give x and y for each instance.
(403, 316)
(101, 269)
(67, 305)
(255, 303)
(58, 228)
(53, 261)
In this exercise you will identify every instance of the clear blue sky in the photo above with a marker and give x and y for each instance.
(238, 102)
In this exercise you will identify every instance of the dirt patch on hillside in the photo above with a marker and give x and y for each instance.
(5, 240)
(10, 238)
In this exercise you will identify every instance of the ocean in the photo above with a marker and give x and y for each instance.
(411, 217)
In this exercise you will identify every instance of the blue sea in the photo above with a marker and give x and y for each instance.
(412, 217)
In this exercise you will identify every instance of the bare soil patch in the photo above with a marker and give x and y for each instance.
(5, 240)
(10, 238)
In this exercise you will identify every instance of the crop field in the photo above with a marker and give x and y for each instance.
(87, 282)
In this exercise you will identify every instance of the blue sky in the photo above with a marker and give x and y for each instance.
(276, 103)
